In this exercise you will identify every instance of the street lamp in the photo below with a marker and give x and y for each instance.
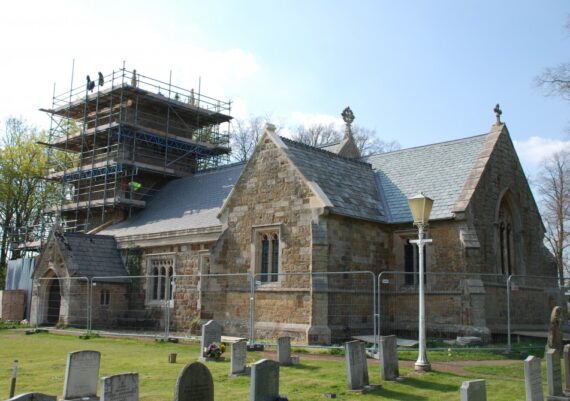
(421, 205)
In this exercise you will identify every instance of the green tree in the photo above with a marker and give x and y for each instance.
(24, 193)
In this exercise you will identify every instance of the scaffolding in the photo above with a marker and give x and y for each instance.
(115, 141)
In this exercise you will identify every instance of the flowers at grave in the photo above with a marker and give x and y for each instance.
(215, 351)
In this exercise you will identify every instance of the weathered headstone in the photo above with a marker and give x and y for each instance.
(567, 367)
(33, 397)
(264, 381)
(473, 390)
(389, 369)
(82, 375)
(194, 384)
(533, 379)
(555, 330)
(284, 351)
(356, 365)
(123, 387)
(211, 333)
(553, 373)
(238, 359)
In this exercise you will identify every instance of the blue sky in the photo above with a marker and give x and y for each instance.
(415, 71)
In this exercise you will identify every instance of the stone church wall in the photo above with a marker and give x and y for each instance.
(270, 195)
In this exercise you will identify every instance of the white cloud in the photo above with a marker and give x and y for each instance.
(536, 149)
(37, 61)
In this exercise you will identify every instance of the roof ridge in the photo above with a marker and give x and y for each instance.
(326, 145)
(426, 146)
(325, 152)
(218, 168)
(81, 234)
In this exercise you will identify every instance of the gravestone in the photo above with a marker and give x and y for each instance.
(194, 384)
(211, 333)
(356, 365)
(533, 379)
(284, 351)
(473, 390)
(567, 367)
(238, 359)
(555, 330)
(264, 381)
(553, 377)
(123, 387)
(389, 358)
(33, 397)
(82, 375)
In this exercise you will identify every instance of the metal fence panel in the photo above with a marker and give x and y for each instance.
(531, 300)
(225, 298)
(457, 305)
(130, 304)
(320, 308)
(61, 302)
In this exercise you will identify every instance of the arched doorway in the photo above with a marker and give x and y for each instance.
(53, 301)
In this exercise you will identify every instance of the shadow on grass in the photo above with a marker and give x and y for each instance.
(429, 385)
(396, 395)
(303, 367)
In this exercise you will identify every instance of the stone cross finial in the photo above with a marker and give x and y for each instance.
(498, 113)
(348, 117)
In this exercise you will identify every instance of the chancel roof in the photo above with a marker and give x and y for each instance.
(439, 171)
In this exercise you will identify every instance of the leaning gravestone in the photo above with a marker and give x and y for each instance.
(264, 381)
(238, 359)
(356, 365)
(123, 387)
(194, 384)
(211, 333)
(82, 375)
(33, 397)
(533, 379)
(284, 351)
(473, 390)
(567, 367)
(555, 330)
(389, 358)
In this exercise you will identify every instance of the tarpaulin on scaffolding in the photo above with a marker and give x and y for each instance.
(19, 277)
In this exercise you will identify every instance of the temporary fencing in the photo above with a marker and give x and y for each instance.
(327, 307)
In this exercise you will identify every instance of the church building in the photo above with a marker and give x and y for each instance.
(300, 220)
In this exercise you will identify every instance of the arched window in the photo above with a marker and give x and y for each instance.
(506, 240)
(160, 285)
(163, 279)
(155, 282)
(267, 254)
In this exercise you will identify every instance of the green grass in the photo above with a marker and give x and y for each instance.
(42, 359)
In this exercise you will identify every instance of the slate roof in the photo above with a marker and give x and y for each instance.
(88, 255)
(349, 184)
(331, 147)
(190, 202)
(439, 170)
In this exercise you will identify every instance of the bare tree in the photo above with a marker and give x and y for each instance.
(369, 144)
(366, 140)
(245, 135)
(554, 189)
(555, 81)
(317, 134)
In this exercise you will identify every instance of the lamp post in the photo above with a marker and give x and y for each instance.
(421, 205)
